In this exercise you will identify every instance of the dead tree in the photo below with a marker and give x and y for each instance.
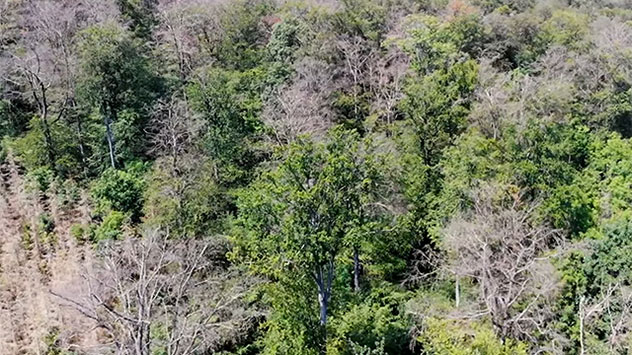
(303, 106)
(173, 131)
(188, 31)
(603, 307)
(43, 61)
(507, 255)
(356, 53)
(182, 287)
(386, 79)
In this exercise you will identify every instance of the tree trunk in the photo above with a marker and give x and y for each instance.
(324, 279)
(323, 302)
(142, 340)
(356, 270)
(110, 138)
(48, 140)
(457, 292)
(82, 150)
(581, 326)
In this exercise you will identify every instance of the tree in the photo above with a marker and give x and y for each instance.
(183, 195)
(171, 296)
(44, 61)
(302, 106)
(118, 190)
(117, 82)
(141, 15)
(174, 131)
(299, 218)
(506, 253)
(229, 103)
(352, 102)
(386, 80)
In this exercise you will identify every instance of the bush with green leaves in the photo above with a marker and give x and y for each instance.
(118, 190)
(79, 232)
(455, 337)
(111, 227)
(376, 324)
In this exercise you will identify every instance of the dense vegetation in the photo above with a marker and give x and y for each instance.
(339, 177)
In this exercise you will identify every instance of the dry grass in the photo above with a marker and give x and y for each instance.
(30, 268)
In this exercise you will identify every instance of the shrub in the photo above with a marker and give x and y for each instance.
(79, 232)
(46, 223)
(42, 177)
(112, 226)
(118, 190)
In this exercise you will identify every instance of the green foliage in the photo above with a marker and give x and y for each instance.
(32, 151)
(42, 177)
(67, 194)
(140, 14)
(13, 117)
(293, 326)
(589, 275)
(610, 261)
(610, 172)
(46, 223)
(316, 196)
(362, 18)
(286, 39)
(377, 325)
(473, 159)
(573, 208)
(25, 238)
(111, 227)
(52, 343)
(437, 106)
(534, 96)
(352, 109)
(230, 101)
(551, 154)
(118, 190)
(574, 286)
(462, 338)
(567, 28)
(296, 220)
(437, 45)
(240, 47)
(504, 5)
(189, 203)
(79, 232)
(117, 81)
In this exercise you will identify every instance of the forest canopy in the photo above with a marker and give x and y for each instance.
(316, 177)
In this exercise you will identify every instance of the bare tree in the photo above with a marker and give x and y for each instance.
(491, 107)
(34, 68)
(182, 176)
(613, 304)
(174, 129)
(507, 254)
(9, 30)
(613, 40)
(188, 30)
(182, 287)
(356, 53)
(43, 60)
(386, 76)
(302, 107)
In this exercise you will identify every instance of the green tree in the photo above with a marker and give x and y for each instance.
(296, 221)
(140, 14)
(229, 102)
(118, 84)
